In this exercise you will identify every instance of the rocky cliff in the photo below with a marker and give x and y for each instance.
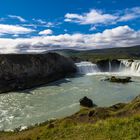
(107, 65)
(21, 71)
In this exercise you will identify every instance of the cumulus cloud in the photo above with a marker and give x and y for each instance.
(92, 17)
(17, 17)
(14, 29)
(121, 36)
(46, 32)
(95, 16)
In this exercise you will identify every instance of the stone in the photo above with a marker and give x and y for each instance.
(86, 102)
(119, 80)
(107, 65)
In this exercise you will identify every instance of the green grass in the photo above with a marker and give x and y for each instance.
(111, 129)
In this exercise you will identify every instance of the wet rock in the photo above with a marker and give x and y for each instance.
(86, 102)
(119, 80)
(108, 65)
(130, 60)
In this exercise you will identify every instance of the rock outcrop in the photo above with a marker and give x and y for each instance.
(108, 65)
(22, 71)
(86, 102)
(119, 80)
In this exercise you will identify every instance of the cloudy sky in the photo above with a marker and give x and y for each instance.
(39, 25)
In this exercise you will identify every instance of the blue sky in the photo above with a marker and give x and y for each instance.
(38, 25)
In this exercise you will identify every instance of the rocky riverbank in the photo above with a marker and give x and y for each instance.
(22, 71)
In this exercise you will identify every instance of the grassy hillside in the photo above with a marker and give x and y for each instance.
(112, 53)
(118, 122)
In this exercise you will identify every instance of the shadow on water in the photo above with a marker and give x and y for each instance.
(55, 83)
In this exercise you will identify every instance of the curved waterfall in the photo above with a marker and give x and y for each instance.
(87, 67)
(126, 67)
(132, 66)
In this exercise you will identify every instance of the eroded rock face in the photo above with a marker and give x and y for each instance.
(108, 65)
(86, 102)
(21, 71)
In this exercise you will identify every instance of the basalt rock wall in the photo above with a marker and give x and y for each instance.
(22, 71)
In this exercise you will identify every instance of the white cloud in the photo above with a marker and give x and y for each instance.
(121, 36)
(41, 21)
(14, 29)
(93, 17)
(99, 17)
(51, 24)
(93, 28)
(46, 32)
(130, 14)
(17, 17)
(47, 25)
(127, 17)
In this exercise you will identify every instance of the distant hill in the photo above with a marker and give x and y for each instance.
(111, 53)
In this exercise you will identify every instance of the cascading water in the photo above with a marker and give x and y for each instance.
(87, 67)
(131, 66)
(126, 67)
(110, 68)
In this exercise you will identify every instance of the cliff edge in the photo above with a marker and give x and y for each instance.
(22, 71)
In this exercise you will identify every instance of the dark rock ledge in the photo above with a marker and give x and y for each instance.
(22, 71)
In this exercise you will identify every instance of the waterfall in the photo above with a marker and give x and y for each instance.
(126, 67)
(132, 66)
(109, 66)
(87, 67)
(120, 67)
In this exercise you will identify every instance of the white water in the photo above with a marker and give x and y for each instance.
(110, 67)
(132, 67)
(126, 68)
(87, 67)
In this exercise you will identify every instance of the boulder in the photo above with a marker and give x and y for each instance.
(86, 102)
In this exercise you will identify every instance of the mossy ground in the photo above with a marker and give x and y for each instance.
(118, 122)
(109, 129)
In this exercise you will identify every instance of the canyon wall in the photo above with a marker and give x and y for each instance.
(22, 71)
